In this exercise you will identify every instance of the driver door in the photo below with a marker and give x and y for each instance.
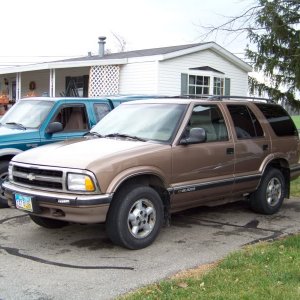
(203, 171)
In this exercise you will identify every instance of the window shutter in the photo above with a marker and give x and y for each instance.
(184, 84)
(227, 87)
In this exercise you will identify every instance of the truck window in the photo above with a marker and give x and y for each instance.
(278, 118)
(101, 109)
(210, 118)
(245, 122)
(73, 118)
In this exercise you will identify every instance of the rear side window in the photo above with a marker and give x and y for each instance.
(278, 118)
(245, 122)
(101, 110)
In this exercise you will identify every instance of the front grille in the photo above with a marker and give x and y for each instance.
(38, 177)
(54, 173)
(39, 183)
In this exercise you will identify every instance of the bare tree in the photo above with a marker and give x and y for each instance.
(121, 42)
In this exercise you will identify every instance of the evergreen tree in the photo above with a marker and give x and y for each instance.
(276, 37)
(273, 30)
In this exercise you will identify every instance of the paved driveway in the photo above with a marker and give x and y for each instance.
(78, 262)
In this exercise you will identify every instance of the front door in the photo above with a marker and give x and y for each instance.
(203, 171)
(74, 120)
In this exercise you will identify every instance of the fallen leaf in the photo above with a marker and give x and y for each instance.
(183, 285)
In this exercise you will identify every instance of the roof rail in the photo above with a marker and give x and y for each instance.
(241, 97)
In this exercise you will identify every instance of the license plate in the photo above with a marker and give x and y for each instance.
(23, 202)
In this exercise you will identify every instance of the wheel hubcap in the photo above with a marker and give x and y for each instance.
(274, 191)
(141, 218)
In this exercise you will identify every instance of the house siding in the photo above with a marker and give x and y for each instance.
(169, 72)
(138, 78)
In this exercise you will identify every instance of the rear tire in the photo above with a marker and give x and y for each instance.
(135, 217)
(268, 198)
(3, 176)
(48, 223)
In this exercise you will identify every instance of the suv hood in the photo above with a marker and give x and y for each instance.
(11, 134)
(82, 153)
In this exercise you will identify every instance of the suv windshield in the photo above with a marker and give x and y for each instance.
(27, 113)
(144, 121)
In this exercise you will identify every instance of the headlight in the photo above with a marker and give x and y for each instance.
(80, 182)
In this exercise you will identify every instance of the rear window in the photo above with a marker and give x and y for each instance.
(278, 118)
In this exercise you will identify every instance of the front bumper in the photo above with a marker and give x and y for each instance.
(68, 207)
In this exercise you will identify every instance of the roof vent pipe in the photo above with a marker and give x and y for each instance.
(101, 43)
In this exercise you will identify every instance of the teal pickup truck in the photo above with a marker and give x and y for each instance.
(34, 122)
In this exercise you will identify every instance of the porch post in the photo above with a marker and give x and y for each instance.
(18, 86)
(52, 83)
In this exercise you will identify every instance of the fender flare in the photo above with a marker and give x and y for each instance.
(9, 152)
(133, 172)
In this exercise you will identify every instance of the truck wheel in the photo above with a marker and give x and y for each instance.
(135, 217)
(48, 223)
(3, 177)
(268, 198)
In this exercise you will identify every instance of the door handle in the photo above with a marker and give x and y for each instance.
(229, 151)
(265, 147)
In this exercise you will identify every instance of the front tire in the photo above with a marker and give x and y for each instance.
(48, 223)
(135, 217)
(268, 198)
(3, 176)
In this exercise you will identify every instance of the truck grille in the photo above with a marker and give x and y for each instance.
(44, 178)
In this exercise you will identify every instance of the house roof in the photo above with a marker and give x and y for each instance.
(121, 58)
(137, 53)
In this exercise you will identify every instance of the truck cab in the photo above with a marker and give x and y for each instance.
(37, 121)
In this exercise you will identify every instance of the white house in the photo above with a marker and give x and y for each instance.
(198, 69)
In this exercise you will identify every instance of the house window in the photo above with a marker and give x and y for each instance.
(218, 86)
(199, 85)
(204, 83)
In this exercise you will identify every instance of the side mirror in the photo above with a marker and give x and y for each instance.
(54, 127)
(196, 136)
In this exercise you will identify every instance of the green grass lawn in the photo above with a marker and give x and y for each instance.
(295, 187)
(296, 120)
(262, 271)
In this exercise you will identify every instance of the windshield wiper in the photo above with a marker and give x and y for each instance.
(17, 124)
(94, 133)
(122, 135)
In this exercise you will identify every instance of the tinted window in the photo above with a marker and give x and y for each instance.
(278, 118)
(211, 119)
(245, 123)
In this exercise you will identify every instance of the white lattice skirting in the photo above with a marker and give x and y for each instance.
(104, 80)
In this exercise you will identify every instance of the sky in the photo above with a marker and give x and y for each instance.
(44, 30)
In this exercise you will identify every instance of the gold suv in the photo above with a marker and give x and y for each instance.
(147, 159)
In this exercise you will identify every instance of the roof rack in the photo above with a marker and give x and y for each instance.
(241, 97)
